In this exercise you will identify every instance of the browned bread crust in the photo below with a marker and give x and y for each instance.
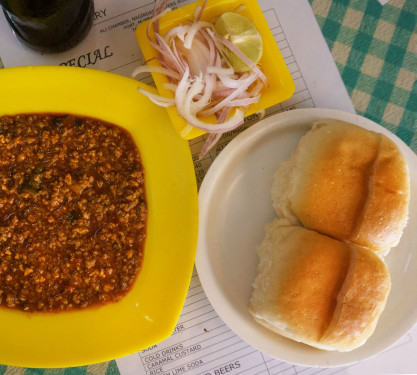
(318, 290)
(346, 182)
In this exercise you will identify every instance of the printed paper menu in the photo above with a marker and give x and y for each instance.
(201, 342)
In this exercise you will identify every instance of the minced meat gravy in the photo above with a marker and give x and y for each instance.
(72, 212)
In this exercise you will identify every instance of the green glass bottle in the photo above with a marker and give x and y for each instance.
(49, 26)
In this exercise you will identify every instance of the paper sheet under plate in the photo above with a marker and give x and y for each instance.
(202, 343)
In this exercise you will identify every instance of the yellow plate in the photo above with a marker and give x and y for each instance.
(148, 314)
(281, 85)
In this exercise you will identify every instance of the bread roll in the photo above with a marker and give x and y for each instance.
(317, 290)
(346, 182)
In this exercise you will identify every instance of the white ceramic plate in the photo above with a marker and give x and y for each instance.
(235, 205)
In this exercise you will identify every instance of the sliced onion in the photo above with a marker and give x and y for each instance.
(193, 57)
(203, 101)
(243, 102)
(199, 11)
(156, 69)
(224, 103)
(157, 99)
(214, 137)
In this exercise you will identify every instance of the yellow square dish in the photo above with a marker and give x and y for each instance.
(149, 312)
(281, 85)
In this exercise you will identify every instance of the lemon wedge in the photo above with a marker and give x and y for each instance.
(244, 35)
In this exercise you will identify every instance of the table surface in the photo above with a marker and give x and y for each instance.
(375, 49)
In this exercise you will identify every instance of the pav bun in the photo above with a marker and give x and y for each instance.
(317, 290)
(346, 182)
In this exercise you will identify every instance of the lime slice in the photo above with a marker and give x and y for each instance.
(244, 35)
